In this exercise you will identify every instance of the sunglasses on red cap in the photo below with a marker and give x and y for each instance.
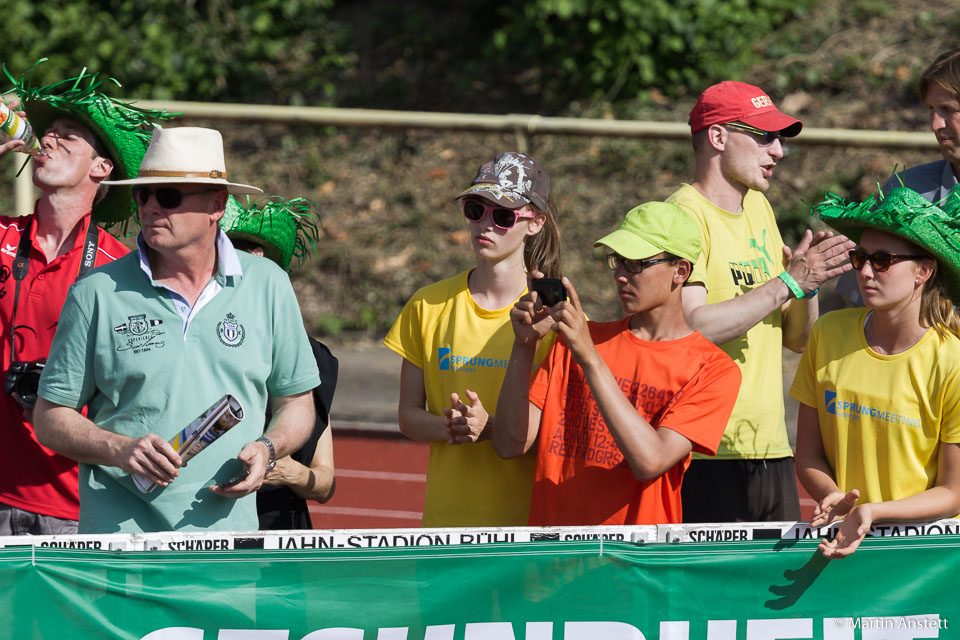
(167, 197)
(763, 138)
(503, 218)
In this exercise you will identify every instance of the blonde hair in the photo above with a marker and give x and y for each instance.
(936, 307)
(541, 252)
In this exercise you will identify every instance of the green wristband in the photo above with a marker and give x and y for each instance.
(793, 286)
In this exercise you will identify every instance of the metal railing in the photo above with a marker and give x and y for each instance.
(523, 126)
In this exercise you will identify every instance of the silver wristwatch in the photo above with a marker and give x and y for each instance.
(273, 454)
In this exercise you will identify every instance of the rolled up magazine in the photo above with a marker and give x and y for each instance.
(222, 415)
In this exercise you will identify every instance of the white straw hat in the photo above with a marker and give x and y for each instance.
(186, 155)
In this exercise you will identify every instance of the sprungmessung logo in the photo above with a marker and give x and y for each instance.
(443, 356)
(830, 400)
(855, 410)
(449, 361)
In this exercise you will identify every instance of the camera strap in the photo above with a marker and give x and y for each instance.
(21, 266)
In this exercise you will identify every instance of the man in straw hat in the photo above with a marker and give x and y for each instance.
(85, 137)
(151, 341)
(280, 230)
(752, 296)
(616, 408)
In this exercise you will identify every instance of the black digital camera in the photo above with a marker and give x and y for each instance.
(23, 378)
(551, 290)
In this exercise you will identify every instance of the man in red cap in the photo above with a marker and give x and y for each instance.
(751, 295)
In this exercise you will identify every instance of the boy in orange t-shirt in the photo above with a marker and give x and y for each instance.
(618, 407)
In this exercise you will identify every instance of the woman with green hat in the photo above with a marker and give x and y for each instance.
(455, 338)
(878, 429)
(281, 230)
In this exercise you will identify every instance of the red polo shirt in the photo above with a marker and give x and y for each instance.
(32, 477)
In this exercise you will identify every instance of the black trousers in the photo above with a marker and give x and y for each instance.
(740, 491)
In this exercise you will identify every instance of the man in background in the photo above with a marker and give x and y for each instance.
(939, 90)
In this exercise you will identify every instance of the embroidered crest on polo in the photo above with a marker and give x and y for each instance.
(231, 332)
(139, 333)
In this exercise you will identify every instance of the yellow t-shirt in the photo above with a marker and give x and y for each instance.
(460, 346)
(882, 417)
(742, 251)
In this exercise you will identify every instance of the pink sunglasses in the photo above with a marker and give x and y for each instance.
(503, 218)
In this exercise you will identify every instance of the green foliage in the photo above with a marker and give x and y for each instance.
(611, 48)
(276, 51)
(841, 52)
(329, 324)
(534, 55)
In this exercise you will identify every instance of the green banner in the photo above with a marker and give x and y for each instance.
(758, 590)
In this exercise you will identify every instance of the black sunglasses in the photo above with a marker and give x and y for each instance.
(503, 218)
(167, 197)
(880, 261)
(633, 266)
(764, 138)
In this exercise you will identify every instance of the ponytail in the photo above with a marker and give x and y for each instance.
(542, 251)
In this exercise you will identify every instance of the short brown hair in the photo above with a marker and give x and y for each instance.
(945, 71)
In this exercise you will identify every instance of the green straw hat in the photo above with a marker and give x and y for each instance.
(904, 212)
(123, 129)
(284, 228)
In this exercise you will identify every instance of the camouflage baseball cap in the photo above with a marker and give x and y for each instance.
(511, 180)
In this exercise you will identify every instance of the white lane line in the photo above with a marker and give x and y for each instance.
(371, 513)
(382, 475)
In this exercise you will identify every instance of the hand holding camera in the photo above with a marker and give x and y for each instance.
(530, 316)
(570, 321)
(23, 380)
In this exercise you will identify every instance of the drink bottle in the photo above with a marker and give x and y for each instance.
(13, 127)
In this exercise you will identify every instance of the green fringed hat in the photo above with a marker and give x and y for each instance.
(904, 212)
(125, 130)
(284, 228)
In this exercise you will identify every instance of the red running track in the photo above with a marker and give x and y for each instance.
(380, 483)
(381, 480)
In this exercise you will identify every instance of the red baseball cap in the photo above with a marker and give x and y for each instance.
(732, 101)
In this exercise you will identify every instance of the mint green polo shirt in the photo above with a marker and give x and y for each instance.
(122, 349)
